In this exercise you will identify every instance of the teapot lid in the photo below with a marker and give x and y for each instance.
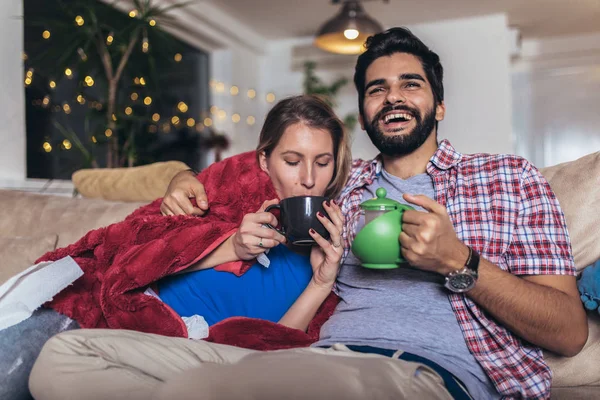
(380, 203)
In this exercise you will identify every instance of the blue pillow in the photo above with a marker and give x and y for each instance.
(589, 286)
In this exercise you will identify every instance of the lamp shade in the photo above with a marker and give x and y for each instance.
(346, 32)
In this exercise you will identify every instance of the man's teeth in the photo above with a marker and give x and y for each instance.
(405, 117)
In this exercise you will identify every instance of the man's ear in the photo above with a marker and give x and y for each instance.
(440, 111)
(262, 160)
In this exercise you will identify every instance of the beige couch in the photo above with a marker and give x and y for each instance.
(31, 224)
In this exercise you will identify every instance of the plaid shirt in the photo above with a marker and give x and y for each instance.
(502, 207)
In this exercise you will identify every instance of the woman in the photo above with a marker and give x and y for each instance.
(303, 148)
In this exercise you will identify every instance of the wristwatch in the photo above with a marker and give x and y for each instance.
(463, 280)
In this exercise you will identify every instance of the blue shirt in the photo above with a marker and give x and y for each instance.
(265, 293)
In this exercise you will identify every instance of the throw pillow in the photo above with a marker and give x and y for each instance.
(589, 287)
(138, 184)
(19, 253)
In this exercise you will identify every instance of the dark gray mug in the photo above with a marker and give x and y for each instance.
(297, 216)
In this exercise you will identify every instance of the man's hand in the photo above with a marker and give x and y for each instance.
(184, 186)
(253, 236)
(428, 239)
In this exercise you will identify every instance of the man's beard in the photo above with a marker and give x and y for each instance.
(401, 144)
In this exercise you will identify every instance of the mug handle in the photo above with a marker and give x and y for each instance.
(269, 208)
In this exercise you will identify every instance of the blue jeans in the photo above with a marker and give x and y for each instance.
(21, 344)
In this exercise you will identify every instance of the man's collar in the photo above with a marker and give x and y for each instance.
(445, 157)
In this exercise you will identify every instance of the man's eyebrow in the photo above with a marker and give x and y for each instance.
(406, 77)
(374, 82)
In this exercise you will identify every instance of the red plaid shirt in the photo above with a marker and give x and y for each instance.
(502, 207)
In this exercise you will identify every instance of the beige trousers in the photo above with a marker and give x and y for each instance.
(117, 364)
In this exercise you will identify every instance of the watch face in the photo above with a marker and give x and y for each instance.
(462, 282)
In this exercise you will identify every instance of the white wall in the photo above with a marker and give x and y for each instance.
(556, 87)
(12, 96)
(474, 52)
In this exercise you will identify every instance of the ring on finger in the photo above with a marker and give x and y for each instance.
(336, 244)
(260, 243)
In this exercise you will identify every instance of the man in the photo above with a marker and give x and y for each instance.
(492, 277)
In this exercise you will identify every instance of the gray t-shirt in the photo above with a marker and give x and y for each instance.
(403, 308)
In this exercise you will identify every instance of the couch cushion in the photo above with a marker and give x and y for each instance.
(28, 214)
(18, 253)
(577, 187)
(144, 183)
(584, 368)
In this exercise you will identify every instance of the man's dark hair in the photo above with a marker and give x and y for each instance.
(399, 40)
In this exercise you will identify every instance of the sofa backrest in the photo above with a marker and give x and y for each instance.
(577, 187)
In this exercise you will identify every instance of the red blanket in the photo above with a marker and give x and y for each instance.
(121, 260)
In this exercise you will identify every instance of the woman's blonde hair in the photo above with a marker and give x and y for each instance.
(314, 113)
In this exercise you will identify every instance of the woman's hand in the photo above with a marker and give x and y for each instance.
(253, 237)
(325, 258)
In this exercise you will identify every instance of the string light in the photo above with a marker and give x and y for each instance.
(191, 122)
(27, 81)
(29, 73)
(46, 35)
(52, 84)
(145, 45)
(109, 39)
(46, 101)
(114, 117)
(166, 128)
(152, 22)
(177, 57)
(136, 80)
(220, 87)
(155, 117)
(108, 132)
(250, 120)
(207, 122)
(66, 144)
(199, 127)
(133, 13)
(182, 107)
(69, 73)
(234, 90)
(94, 140)
(47, 147)
(251, 93)
(134, 96)
(89, 81)
(82, 54)
(128, 110)
(214, 110)
(235, 118)
(24, 56)
(152, 129)
(212, 83)
(98, 106)
(222, 114)
(80, 99)
(270, 97)
(79, 20)
(66, 108)
(175, 120)
(147, 100)
(142, 81)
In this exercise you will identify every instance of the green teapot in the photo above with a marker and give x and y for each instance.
(377, 245)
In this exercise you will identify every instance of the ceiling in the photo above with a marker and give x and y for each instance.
(274, 19)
